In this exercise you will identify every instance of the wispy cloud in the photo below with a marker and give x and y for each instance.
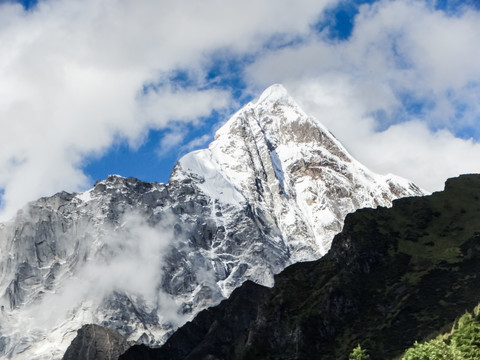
(125, 260)
(175, 141)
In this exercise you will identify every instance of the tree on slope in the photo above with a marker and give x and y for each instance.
(358, 354)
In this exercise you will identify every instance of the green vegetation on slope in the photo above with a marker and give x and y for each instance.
(462, 343)
(359, 354)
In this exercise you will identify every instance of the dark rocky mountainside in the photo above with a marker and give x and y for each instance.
(392, 276)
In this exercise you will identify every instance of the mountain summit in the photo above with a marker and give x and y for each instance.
(289, 167)
(143, 258)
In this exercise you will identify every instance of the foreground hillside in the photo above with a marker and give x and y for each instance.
(392, 276)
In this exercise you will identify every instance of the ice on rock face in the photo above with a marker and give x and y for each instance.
(140, 258)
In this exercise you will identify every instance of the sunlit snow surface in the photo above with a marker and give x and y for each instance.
(213, 181)
(272, 189)
(308, 180)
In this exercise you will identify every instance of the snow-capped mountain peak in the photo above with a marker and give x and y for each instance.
(273, 155)
(273, 188)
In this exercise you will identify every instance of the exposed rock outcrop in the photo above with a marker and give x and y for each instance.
(95, 342)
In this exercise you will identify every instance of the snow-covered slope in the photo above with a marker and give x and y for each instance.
(272, 189)
(288, 166)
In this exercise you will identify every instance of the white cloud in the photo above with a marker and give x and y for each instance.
(170, 141)
(71, 76)
(422, 156)
(197, 143)
(397, 49)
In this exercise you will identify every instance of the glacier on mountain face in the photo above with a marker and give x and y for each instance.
(272, 189)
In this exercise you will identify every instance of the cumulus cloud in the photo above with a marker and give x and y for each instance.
(402, 92)
(172, 142)
(73, 76)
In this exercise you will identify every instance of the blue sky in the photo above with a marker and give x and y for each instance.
(127, 87)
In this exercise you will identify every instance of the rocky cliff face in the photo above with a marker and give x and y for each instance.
(141, 258)
(95, 342)
(392, 276)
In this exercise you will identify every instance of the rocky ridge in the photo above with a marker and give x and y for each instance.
(143, 258)
(95, 342)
